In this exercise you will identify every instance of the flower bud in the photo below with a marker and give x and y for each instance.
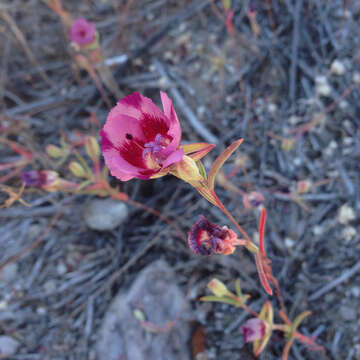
(77, 169)
(218, 288)
(287, 144)
(92, 148)
(54, 151)
(254, 329)
(187, 170)
(303, 186)
(205, 238)
(43, 179)
(253, 200)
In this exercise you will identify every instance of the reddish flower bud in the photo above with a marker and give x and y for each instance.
(82, 32)
(253, 329)
(40, 179)
(253, 200)
(205, 238)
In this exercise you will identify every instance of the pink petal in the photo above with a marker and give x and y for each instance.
(173, 121)
(174, 157)
(118, 166)
(118, 125)
(82, 32)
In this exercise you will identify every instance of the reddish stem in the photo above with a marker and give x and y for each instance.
(262, 232)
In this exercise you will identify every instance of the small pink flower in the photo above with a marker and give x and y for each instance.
(39, 179)
(253, 200)
(253, 329)
(140, 141)
(82, 32)
(205, 238)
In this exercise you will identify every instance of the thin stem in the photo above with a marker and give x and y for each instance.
(250, 245)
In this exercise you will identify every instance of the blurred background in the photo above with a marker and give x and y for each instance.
(79, 273)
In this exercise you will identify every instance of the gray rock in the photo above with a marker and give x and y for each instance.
(8, 346)
(9, 272)
(155, 297)
(105, 214)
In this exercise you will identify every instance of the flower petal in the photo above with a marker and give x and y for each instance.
(118, 125)
(174, 157)
(173, 121)
(118, 166)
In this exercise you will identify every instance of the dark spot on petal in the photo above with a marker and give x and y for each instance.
(129, 136)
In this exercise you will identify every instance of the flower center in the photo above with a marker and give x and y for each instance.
(155, 148)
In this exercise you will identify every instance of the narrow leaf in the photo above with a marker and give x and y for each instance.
(219, 162)
(197, 150)
(262, 275)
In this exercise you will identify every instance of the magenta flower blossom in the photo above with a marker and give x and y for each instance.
(253, 200)
(138, 140)
(253, 329)
(205, 238)
(40, 179)
(82, 32)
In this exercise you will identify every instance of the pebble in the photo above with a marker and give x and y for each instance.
(105, 214)
(346, 214)
(8, 346)
(61, 268)
(156, 296)
(355, 291)
(337, 67)
(289, 243)
(9, 272)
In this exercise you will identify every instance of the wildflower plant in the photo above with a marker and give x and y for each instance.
(140, 141)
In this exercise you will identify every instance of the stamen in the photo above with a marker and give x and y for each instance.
(155, 147)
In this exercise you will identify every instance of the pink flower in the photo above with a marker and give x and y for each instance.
(138, 140)
(253, 329)
(39, 179)
(82, 32)
(253, 200)
(205, 238)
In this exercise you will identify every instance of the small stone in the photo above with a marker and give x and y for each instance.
(50, 286)
(297, 161)
(348, 141)
(347, 313)
(61, 268)
(201, 111)
(105, 214)
(337, 67)
(355, 291)
(323, 90)
(356, 77)
(317, 230)
(159, 299)
(41, 310)
(346, 214)
(8, 346)
(321, 80)
(272, 108)
(9, 272)
(3, 305)
(289, 243)
(329, 150)
(343, 104)
(348, 233)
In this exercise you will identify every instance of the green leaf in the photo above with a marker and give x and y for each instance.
(221, 300)
(201, 169)
(219, 162)
(226, 4)
(197, 150)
